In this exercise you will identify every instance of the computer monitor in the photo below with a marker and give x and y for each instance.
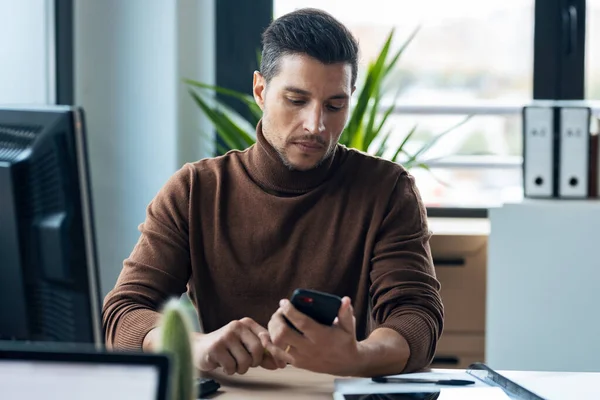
(33, 374)
(49, 290)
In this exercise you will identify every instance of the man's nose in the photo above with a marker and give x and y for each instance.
(314, 122)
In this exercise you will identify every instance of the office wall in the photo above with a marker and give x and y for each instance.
(130, 57)
(26, 58)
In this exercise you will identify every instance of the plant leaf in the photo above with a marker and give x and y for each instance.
(436, 178)
(247, 130)
(382, 145)
(214, 117)
(243, 97)
(246, 99)
(371, 83)
(430, 144)
(374, 132)
(400, 148)
(231, 134)
(371, 133)
(356, 139)
(256, 113)
(401, 50)
(222, 149)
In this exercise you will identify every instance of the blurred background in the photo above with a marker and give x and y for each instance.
(124, 62)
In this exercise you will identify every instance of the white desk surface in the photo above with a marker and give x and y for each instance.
(292, 383)
(459, 226)
(558, 385)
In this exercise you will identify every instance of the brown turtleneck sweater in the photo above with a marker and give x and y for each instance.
(241, 231)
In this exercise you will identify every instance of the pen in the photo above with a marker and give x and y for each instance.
(451, 382)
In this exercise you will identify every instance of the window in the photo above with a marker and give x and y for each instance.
(25, 70)
(468, 54)
(476, 164)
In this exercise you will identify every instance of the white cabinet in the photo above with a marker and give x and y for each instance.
(543, 286)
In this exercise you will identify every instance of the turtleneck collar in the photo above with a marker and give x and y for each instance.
(266, 168)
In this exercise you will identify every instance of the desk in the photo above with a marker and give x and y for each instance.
(294, 384)
(289, 383)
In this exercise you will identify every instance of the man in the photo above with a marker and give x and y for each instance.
(296, 210)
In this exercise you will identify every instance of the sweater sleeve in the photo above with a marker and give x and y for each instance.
(157, 268)
(404, 288)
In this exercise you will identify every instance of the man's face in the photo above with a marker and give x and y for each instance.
(305, 108)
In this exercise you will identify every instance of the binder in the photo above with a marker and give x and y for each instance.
(539, 148)
(594, 177)
(595, 165)
(574, 155)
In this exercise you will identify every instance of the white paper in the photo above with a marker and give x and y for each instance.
(558, 385)
(478, 390)
(548, 385)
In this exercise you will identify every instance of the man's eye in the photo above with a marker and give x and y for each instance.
(331, 107)
(297, 102)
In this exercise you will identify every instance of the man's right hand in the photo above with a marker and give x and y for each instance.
(235, 348)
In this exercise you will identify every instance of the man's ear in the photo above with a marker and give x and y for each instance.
(259, 85)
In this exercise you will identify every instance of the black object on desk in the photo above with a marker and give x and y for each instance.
(207, 387)
(450, 382)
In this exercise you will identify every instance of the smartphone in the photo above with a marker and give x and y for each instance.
(320, 306)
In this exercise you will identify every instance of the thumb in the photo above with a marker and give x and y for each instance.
(265, 339)
(345, 318)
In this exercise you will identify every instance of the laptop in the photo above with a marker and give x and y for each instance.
(35, 374)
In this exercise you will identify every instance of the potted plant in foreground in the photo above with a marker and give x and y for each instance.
(175, 340)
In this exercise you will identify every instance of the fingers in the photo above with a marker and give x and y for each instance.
(308, 326)
(253, 326)
(345, 319)
(243, 344)
(208, 363)
(223, 358)
(269, 356)
(243, 360)
(274, 354)
(253, 346)
(270, 363)
(282, 335)
(235, 347)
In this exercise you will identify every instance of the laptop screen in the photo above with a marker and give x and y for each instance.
(49, 380)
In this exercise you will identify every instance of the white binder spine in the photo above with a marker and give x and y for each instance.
(574, 144)
(539, 152)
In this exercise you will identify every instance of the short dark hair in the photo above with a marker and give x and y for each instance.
(309, 31)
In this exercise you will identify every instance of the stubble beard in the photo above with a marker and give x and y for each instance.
(284, 159)
(291, 167)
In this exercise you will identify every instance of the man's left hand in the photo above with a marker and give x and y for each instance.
(319, 348)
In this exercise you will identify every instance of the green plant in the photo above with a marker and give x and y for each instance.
(366, 129)
(175, 340)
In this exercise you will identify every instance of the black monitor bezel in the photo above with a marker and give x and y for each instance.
(15, 352)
